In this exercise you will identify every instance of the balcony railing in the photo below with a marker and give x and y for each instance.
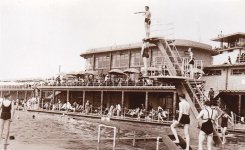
(161, 64)
(17, 87)
(144, 82)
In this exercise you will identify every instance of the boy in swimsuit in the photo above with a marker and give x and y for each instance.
(147, 21)
(208, 117)
(7, 113)
(184, 118)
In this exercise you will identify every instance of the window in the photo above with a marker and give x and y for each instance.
(157, 58)
(89, 63)
(237, 71)
(136, 60)
(120, 60)
(102, 62)
(213, 72)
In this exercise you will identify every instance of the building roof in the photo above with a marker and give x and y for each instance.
(225, 66)
(229, 37)
(177, 42)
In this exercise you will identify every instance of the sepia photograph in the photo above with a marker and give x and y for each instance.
(122, 75)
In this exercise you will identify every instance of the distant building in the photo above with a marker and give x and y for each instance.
(228, 76)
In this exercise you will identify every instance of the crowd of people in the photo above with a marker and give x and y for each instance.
(139, 113)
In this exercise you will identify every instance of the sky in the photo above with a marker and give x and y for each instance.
(38, 36)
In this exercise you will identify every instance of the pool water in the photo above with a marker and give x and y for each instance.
(69, 133)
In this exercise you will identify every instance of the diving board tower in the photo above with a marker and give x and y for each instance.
(178, 69)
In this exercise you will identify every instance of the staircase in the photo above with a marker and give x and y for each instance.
(192, 89)
(194, 92)
(172, 53)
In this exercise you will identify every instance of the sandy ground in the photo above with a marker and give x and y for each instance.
(56, 132)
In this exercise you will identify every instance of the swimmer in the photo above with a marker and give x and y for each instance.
(191, 63)
(224, 124)
(7, 114)
(208, 117)
(184, 118)
(145, 55)
(147, 21)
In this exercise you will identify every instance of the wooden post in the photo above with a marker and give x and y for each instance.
(40, 98)
(84, 100)
(118, 134)
(134, 140)
(146, 100)
(174, 103)
(25, 95)
(157, 146)
(17, 94)
(239, 103)
(129, 58)
(53, 96)
(122, 103)
(1, 93)
(110, 62)
(67, 95)
(101, 101)
(42, 103)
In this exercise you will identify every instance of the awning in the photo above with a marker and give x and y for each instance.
(116, 72)
(131, 71)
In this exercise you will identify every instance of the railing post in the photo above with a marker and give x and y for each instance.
(101, 102)
(157, 146)
(134, 140)
(114, 138)
(99, 135)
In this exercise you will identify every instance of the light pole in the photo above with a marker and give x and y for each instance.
(59, 68)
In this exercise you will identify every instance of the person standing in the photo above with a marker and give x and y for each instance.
(7, 114)
(147, 21)
(145, 56)
(211, 94)
(224, 124)
(184, 118)
(208, 117)
(87, 107)
(191, 63)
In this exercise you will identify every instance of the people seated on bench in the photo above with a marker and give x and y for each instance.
(161, 114)
(67, 106)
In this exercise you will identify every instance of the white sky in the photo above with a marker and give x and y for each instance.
(36, 36)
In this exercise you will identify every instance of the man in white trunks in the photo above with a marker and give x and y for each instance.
(183, 118)
(147, 21)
